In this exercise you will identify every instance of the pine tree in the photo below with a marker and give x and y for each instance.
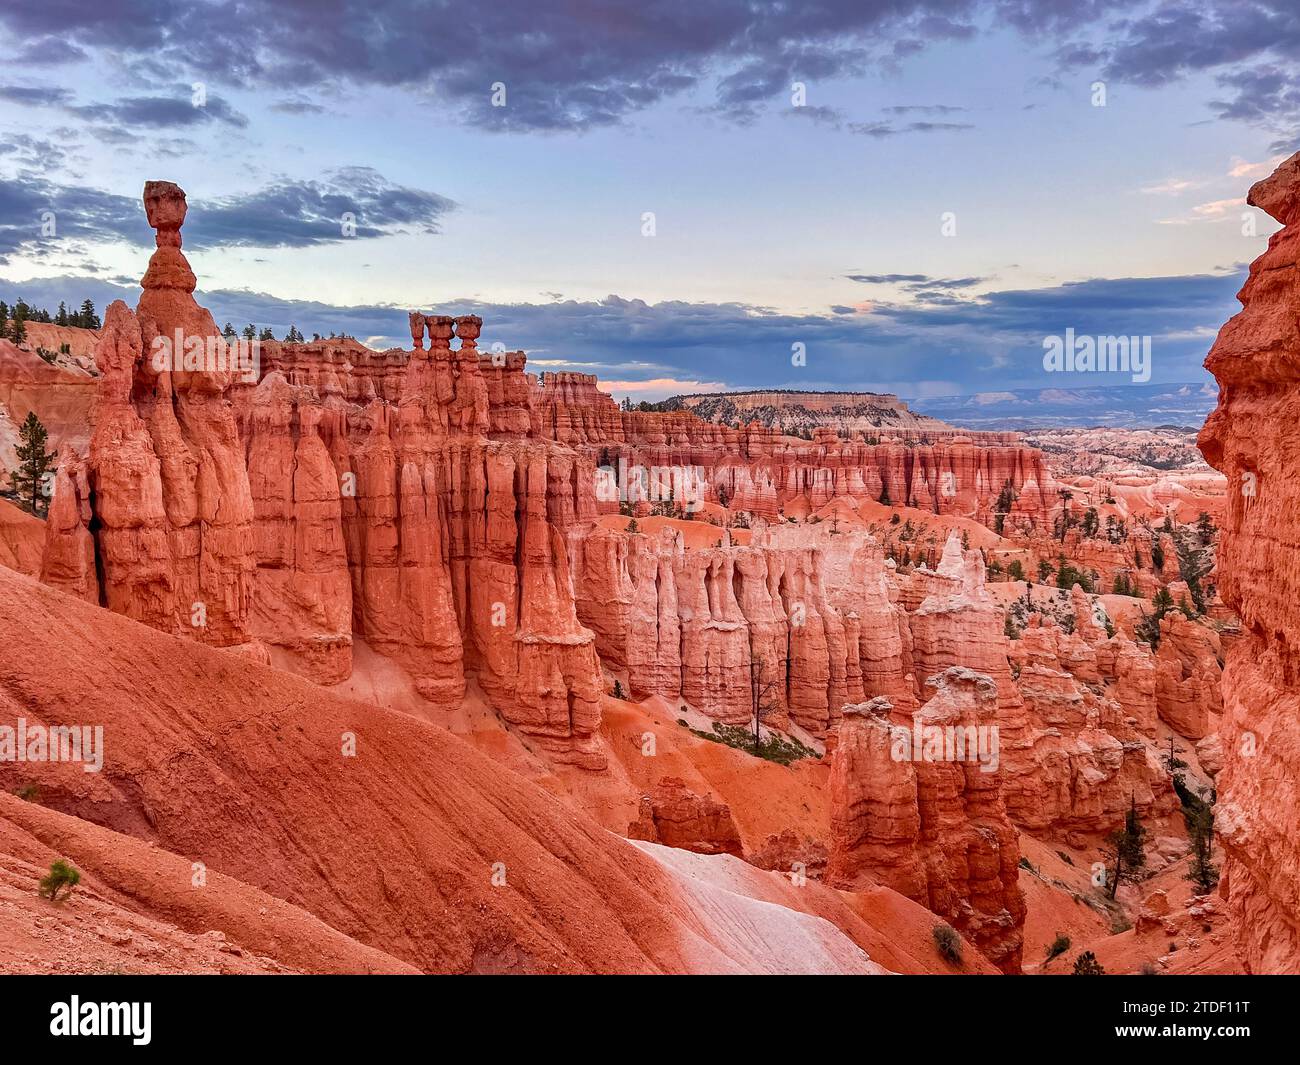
(62, 317)
(266, 334)
(1205, 528)
(1200, 825)
(89, 319)
(250, 332)
(18, 331)
(229, 332)
(27, 481)
(1135, 835)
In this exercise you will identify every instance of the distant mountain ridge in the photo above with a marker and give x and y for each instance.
(798, 413)
(1184, 405)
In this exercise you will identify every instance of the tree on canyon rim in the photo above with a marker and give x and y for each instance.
(762, 695)
(28, 481)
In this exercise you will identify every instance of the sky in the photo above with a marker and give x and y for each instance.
(887, 195)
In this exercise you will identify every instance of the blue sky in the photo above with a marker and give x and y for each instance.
(774, 224)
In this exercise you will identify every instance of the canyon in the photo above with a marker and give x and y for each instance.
(436, 664)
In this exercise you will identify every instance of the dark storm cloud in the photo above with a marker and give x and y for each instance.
(579, 66)
(566, 66)
(290, 214)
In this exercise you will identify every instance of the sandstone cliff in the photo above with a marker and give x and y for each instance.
(1251, 438)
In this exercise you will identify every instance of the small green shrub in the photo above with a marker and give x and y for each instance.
(61, 875)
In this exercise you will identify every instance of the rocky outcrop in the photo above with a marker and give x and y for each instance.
(929, 821)
(1188, 676)
(340, 494)
(677, 817)
(811, 622)
(1250, 437)
(1076, 709)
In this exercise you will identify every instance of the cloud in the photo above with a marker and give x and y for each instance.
(78, 213)
(120, 122)
(562, 67)
(48, 52)
(299, 214)
(891, 129)
(1171, 187)
(34, 95)
(1251, 49)
(297, 107)
(584, 66)
(924, 109)
(920, 285)
(162, 112)
(662, 387)
(32, 153)
(289, 214)
(1214, 211)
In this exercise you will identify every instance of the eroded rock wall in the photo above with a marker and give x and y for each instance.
(1251, 437)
